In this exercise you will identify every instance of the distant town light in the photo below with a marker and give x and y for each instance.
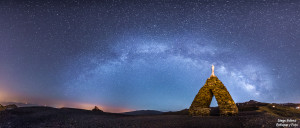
(273, 106)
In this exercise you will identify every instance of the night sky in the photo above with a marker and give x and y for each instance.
(131, 55)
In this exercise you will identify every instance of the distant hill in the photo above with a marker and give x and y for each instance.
(213, 112)
(143, 112)
(181, 112)
(19, 104)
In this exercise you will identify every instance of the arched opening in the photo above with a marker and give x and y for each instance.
(214, 108)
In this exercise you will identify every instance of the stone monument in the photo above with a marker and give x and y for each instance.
(213, 87)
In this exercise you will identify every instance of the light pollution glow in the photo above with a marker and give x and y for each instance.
(10, 97)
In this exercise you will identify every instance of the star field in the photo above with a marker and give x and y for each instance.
(127, 55)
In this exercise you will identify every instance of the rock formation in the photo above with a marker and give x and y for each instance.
(8, 107)
(96, 109)
(2, 108)
(11, 106)
(213, 87)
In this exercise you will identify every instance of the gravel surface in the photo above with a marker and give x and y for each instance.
(43, 117)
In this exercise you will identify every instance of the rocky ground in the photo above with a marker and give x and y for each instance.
(43, 117)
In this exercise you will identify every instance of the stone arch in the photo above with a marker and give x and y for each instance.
(213, 87)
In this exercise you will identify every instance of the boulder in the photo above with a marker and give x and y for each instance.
(11, 106)
(2, 108)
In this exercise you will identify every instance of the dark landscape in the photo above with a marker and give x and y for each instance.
(252, 114)
(149, 63)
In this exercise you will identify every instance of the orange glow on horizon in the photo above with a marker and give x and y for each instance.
(66, 104)
(13, 97)
(6, 95)
(89, 106)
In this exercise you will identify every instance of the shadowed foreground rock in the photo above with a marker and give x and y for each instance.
(8, 107)
(11, 106)
(2, 108)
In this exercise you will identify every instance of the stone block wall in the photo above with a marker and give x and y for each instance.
(213, 87)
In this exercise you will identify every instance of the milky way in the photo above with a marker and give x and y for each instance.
(147, 55)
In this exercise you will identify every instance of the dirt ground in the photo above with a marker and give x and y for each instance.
(43, 117)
